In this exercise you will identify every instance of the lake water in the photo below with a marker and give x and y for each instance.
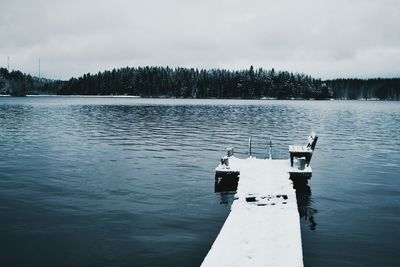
(90, 181)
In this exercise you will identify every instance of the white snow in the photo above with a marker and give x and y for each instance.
(297, 148)
(265, 231)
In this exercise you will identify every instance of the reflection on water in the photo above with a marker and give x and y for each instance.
(226, 197)
(225, 185)
(305, 204)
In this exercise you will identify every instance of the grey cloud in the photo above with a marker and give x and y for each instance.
(322, 38)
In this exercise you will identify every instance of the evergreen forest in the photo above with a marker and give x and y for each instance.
(201, 83)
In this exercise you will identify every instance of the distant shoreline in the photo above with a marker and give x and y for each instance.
(164, 97)
(165, 82)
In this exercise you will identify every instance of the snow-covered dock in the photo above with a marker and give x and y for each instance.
(263, 227)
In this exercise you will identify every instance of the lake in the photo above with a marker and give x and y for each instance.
(90, 181)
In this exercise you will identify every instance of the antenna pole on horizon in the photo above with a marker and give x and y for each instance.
(39, 69)
(8, 63)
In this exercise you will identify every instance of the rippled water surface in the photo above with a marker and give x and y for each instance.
(130, 182)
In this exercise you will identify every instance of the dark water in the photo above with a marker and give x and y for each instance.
(129, 182)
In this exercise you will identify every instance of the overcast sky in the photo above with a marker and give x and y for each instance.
(323, 38)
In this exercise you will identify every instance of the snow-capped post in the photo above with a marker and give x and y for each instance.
(250, 146)
(229, 151)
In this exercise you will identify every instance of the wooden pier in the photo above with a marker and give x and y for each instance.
(263, 227)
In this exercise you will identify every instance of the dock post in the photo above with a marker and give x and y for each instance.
(229, 152)
(250, 146)
(270, 148)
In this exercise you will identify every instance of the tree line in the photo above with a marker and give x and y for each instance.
(194, 83)
(383, 89)
(16, 83)
(201, 83)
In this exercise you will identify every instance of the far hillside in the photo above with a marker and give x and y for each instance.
(201, 83)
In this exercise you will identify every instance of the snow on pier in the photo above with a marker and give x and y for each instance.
(263, 227)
